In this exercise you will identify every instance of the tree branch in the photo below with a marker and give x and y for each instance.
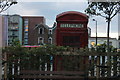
(4, 7)
(112, 9)
(115, 13)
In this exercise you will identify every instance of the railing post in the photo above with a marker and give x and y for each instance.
(109, 65)
(92, 65)
(119, 64)
(103, 69)
(115, 65)
(98, 68)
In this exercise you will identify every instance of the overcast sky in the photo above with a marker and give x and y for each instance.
(50, 8)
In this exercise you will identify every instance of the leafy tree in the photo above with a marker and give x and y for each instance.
(105, 9)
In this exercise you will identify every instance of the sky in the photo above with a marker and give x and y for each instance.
(51, 8)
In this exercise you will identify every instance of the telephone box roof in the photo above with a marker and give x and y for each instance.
(72, 12)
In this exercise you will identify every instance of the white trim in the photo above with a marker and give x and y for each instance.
(50, 38)
(42, 30)
(50, 31)
(42, 40)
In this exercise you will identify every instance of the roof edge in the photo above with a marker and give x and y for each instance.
(72, 12)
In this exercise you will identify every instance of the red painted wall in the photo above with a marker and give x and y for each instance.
(72, 17)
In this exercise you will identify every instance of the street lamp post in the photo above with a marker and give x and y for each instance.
(98, 57)
(96, 30)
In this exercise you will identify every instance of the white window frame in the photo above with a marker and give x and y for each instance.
(50, 40)
(40, 41)
(42, 30)
(50, 31)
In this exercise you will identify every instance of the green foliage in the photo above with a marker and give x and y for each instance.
(17, 52)
(15, 42)
(103, 48)
(23, 53)
(47, 50)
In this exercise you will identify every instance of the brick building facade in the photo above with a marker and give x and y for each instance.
(36, 32)
(30, 32)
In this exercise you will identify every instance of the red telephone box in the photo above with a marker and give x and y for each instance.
(72, 29)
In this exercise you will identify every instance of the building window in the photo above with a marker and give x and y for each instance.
(26, 34)
(72, 41)
(25, 41)
(40, 40)
(26, 22)
(25, 37)
(41, 31)
(50, 40)
(50, 31)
